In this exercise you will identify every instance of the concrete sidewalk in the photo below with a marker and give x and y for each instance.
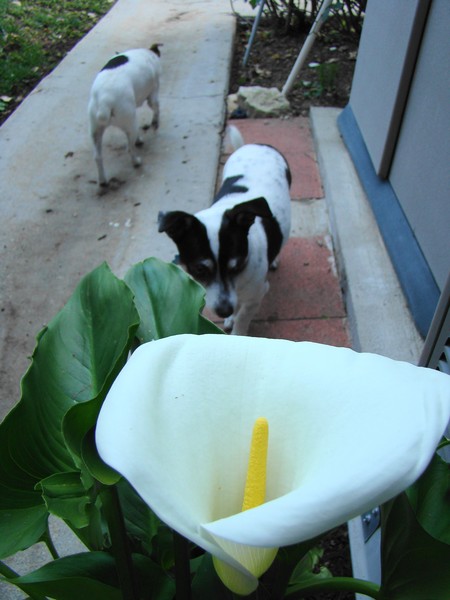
(335, 283)
(54, 227)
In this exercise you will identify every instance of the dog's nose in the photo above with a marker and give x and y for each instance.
(224, 309)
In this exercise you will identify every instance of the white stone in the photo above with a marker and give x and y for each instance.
(262, 102)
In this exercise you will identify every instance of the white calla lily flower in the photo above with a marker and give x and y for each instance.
(348, 431)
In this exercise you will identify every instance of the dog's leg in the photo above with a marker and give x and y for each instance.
(97, 138)
(246, 312)
(241, 321)
(153, 102)
(228, 324)
(134, 139)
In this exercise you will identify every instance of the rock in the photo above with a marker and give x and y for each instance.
(258, 101)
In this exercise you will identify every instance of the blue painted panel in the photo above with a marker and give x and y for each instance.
(418, 284)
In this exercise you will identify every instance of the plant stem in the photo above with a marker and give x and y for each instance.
(182, 567)
(445, 442)
(348, 584)
(119, 542)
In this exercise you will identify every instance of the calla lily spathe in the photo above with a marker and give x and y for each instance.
(348, 431)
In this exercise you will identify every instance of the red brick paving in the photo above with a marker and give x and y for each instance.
(324, 331)
(293, 138)
(304, 301)
(305, 284)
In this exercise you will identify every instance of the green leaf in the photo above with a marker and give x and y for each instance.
(92, 575)
(309, 569)
(66, 497)
(110, 320)
(168, 300)
(85, 575)
(414, 565)
(141, 522)
(279, 576)
(21, 527)
(96, 467)
(430, 499)
(153, 582)
(76, 358)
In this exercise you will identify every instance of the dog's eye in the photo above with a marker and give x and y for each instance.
(200, 271)
(235, 265)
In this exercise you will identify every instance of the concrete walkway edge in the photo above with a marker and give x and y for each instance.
(379, 319)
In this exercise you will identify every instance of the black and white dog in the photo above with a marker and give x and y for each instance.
(124, 83)
(229, 247)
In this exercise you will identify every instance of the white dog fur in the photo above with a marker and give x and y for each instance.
(124, 83)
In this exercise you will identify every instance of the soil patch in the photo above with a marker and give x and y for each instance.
(324, 80)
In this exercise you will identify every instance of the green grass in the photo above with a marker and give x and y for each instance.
(34, 36)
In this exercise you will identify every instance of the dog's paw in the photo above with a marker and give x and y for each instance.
(103, 187)
(228, 324)
(110, 186)
(274, 265)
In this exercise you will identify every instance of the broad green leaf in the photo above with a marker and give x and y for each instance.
(107, 340)
(86, 575)
(93, 576)
(76, 358)
(414, 565)
(168, 300)
(430, 499)
(21, 527)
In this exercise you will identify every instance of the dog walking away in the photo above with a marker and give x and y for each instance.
(124, 83)
(229, 247)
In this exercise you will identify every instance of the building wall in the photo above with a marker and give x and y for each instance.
(399, 115)
(420, 170)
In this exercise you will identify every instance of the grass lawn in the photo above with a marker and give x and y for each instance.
(34, 36)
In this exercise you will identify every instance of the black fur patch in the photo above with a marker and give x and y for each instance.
(274, 238)
(191, 238)
(233, 234)
(229, 186)
(116, 61)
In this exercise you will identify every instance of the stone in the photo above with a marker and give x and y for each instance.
(258, 101)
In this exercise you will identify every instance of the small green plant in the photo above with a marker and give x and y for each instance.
(327, 76)
(325, 81)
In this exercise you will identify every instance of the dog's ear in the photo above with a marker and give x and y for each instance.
(244, 214)
(155, 48)
(175, 223)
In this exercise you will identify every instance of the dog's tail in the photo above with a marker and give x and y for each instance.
(155, 48)
(233, 138)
